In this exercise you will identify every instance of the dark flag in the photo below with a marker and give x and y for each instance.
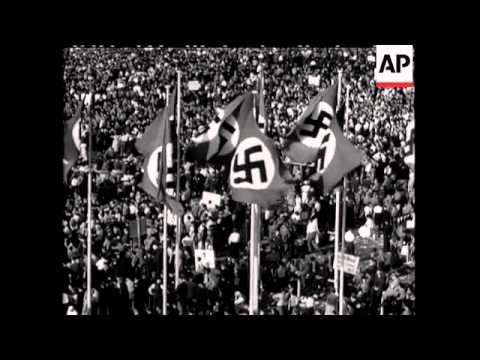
(312, 129)
(337, 158)
(159, 166)
(256, 173)
(318, 137)
(71, 142)
(219, 140)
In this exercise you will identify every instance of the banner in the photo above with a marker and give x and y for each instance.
(133, 230)
(350, 263)
(204, 259)
(210, 199)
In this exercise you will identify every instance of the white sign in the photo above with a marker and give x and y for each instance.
(411, 224)
(350, 263)
(394, 66)
(204, 259)
(314, 80)
(193, 85)
(210, 199)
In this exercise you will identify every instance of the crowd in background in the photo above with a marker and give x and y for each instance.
(296, 251)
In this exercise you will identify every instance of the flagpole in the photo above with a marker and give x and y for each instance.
(89, 215)
(337, 235)
(164, 300)
(337, 201)
(255, 218)
(344, 202)
(178, 217)
(253, 298)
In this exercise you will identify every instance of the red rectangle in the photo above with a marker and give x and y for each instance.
(394, 84)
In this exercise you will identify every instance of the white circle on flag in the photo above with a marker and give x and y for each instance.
(316, 142)
(255, 166)
(231, 137)
(152, 166)
(76, 134)
(325, 138)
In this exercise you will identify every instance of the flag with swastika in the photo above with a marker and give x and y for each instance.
(343, 159)
(157, 145)
(217, 143)
(257, 176)
(71, 142)
(311, 134)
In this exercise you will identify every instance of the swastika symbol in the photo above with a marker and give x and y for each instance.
(223, 137)
(317, 123)
(249, 166)
(322, 153)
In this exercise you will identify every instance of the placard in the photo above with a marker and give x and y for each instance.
(210, 199)
(350, 263)
(204, 259)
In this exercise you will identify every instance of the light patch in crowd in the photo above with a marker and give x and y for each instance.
(252, 166)
(76, 134)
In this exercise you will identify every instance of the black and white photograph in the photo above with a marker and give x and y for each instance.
(238, 181)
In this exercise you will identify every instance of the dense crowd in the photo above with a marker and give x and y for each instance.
(296, 250)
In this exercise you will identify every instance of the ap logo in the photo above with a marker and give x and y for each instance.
(394, 66)
(252, 166)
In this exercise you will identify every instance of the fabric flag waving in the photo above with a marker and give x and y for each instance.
(221, 137)
(256, 173)
(306, 140)
(151, 133)
(71, 142)
(337, 157)
(158, 168)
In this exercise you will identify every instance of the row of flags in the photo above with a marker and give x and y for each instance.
(257, 175)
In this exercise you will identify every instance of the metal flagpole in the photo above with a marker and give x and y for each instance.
(344, 204)
(164, 304)
(337, 235)
(164, 300)
(89, 215)
(178, 218)
(337, 201)
(254, 258)
(255, 214)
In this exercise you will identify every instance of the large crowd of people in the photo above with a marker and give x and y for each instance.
(129, 87)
